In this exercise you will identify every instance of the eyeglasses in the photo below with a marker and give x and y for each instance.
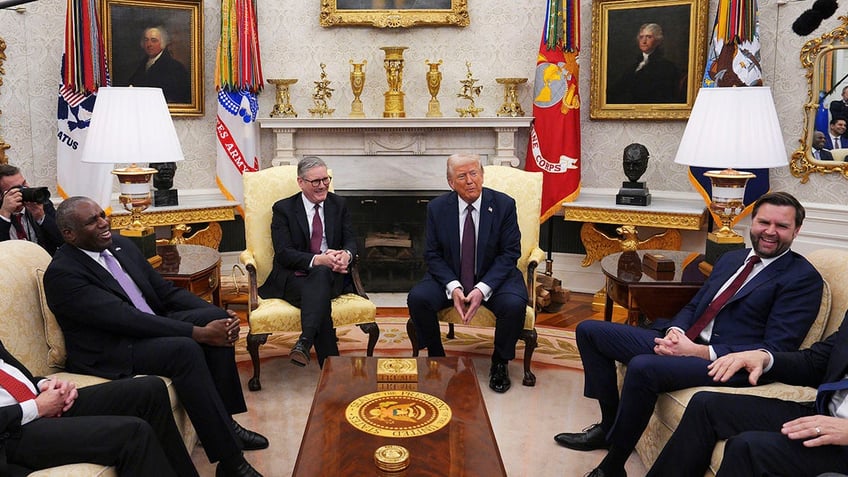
(318, 182)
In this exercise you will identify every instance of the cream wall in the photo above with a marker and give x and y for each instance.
(502, 40)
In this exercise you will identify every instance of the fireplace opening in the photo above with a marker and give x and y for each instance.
(390, 231)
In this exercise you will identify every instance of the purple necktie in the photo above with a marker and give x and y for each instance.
(126, 282)
(719, 301)
(317, 232)
(466, 263)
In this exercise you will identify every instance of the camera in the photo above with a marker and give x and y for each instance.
(40, 195)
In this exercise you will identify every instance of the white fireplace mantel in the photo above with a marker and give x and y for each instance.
(492, 137)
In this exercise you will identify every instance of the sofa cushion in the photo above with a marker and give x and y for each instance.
(817, 329)
(56, 352)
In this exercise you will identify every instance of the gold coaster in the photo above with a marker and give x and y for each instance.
(391, 458)
(398, 414)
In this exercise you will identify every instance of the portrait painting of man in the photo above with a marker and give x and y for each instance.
(156, 43)
(393, 4)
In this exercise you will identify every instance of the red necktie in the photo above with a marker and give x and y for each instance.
(466, 262)
(20, 391)
(719, 301)
(317, 232)
(19, 226)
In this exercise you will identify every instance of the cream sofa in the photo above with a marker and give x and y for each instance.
(833, 266)
(30, 332)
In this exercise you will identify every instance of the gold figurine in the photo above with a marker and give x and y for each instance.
(320, 94)
(511, 107)
(469, 91)
(434, 82)
(357, 83)
(393, 63)
(283, 107)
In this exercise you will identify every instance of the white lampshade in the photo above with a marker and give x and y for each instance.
(733, 128)
(131, 125)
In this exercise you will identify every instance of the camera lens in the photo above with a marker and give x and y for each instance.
(35, 194)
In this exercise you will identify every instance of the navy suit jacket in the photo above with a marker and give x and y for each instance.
(823, 362)
(48, 233)
(828, 141)
(498, 242)
(291, 238)
(774, 310)
(98, 319)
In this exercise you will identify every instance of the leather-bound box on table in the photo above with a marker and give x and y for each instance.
(657, 262)
(660, 276)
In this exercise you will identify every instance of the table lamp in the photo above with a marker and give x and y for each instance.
(731, 128)
(132, 125)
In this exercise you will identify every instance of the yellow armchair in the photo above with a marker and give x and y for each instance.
(265, 316)
(526, 188)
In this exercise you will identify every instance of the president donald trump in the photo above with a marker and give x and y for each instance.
(473, 245)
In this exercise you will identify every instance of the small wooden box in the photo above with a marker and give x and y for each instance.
(657, 262)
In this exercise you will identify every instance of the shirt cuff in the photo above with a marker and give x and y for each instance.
(450, 287)
(29, 411)
(713, 355)
(486, 289)
(770, 363)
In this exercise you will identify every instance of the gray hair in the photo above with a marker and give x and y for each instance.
(65, 213)
(654, 28)
(164, 38)
(309, 162)
(456, 160)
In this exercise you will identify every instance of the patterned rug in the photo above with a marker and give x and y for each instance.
(556, 346)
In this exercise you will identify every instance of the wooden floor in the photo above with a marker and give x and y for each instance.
(578, 308)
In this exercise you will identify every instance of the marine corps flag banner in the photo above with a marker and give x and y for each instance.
(733, 60)
(83, 72)
(238, 79)
(554, 147)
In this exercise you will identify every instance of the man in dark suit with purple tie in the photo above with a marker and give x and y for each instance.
(314, 244)
(491, 277)
(121, 318)
(767, 436)
(49, 422)
(772, 307)
(835, 138)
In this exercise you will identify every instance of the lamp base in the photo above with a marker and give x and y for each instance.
(165, 198)
(717, 246)
(145, 240)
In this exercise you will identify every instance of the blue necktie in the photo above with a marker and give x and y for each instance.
(825, 394)
(126, 282)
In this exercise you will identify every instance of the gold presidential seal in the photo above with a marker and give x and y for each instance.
(398, 414)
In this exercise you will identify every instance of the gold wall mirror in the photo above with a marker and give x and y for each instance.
(825, 60)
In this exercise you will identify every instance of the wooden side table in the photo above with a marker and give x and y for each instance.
(628, 285)
(193, 267)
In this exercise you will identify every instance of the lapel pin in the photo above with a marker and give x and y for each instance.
(490, 210)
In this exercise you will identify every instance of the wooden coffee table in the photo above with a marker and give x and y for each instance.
(465, 446)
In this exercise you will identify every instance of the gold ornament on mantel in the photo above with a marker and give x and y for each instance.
(434, 82)
(320, 94)
(469, 91)
(283, 107)
(357, 83)
(393, 63)
(511, 107)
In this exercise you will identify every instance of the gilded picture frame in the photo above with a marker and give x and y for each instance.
(134, 32)
(394, 13)
(633, 82)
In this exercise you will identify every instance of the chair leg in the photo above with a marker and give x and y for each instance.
(253, 342)
(373, 332)
(531, 340)
(450, 334)
(410, 331)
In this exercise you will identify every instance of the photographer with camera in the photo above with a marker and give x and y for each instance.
(26, 213)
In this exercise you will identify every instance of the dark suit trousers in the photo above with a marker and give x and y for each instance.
(755, 446)
(196, 370)
(428, 297)
(312, 294)
(602, 343)
(127, 423)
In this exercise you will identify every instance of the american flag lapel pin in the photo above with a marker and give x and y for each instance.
(490, 210)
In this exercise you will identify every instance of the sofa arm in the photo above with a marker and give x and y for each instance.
(249, 261)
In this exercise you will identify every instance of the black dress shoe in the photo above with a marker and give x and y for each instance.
(592, 438)
(299, 354)
(598, 472)
(237, 468)
(499, 378)
(249, 440)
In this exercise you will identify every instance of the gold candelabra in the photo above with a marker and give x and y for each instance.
(469, 91)
(393, 63)
(320, 94)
